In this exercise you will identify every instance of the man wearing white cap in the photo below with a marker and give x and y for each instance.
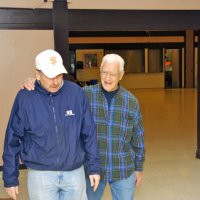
(52, 132)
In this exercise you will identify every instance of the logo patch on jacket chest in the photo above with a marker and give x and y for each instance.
(69, 113)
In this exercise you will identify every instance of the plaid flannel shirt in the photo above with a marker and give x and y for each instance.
(119, 132)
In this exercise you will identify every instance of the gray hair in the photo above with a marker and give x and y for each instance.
(113, 58)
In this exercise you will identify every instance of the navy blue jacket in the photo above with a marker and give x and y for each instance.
(50, 131)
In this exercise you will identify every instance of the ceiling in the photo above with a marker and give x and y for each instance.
(107, 4)
(26, 4)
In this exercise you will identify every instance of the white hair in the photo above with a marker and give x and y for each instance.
(113, 58)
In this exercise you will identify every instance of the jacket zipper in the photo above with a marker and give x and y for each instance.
(56, 127)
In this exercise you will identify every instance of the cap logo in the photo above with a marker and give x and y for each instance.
(53, 60)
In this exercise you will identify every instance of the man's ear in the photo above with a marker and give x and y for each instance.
(121, 75)
(37, 75)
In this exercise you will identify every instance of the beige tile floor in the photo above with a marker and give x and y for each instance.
(171, 170)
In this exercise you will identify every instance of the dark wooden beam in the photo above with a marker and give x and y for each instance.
(60, 27)
(103, 20)
(127, 20)
(189, 59)
(38, 19)
(198, 101)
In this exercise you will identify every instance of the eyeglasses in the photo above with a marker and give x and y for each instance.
(111, 75)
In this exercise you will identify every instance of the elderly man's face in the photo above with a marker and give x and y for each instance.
(110, 76)
(50, 84)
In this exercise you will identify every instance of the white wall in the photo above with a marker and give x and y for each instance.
(136, 4)
(17, 52)
(109, 4)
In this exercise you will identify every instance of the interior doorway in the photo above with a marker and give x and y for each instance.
(173, 68)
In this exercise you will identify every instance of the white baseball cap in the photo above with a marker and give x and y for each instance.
(50, 63)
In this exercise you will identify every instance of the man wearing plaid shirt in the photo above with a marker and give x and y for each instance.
(119, 132)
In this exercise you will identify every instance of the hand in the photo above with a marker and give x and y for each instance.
(29, 84)
(12, 192)
(94, 181)
(138, 178)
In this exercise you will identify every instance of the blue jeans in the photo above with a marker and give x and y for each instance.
(121, 190)
(57, 185)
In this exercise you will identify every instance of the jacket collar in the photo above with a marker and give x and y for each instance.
(40, 89)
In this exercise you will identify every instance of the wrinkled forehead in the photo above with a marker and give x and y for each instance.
(111, 66)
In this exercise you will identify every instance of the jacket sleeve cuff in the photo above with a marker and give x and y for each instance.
(93, 171)
(11, 184)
